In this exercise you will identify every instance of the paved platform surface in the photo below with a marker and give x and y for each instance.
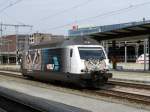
(131, 66)
(90, 104)
(132, 76)
(13, 101)
(10, 67)
(1, 110)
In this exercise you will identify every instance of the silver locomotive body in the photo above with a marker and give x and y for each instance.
(82, 63)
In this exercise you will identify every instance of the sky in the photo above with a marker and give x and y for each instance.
(58, 16)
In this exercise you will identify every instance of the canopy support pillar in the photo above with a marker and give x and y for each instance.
(114, 58)
(149, 51)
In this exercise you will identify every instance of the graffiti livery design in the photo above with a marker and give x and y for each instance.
(33, 60)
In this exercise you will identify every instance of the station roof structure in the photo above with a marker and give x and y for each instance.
(133, 32)
(141, 31)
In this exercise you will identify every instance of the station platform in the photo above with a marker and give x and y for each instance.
(20, 102)
(142, 77)
(10, 67)
(131, 66)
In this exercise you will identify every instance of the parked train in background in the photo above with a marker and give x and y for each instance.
(140, 59)
(77, 60)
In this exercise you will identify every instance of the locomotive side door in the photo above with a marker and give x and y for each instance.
(70, 61)
(75, 64)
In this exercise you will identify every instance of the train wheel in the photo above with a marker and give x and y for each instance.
(27, 76)
(83, 84)
(24, 75)
(105, 80)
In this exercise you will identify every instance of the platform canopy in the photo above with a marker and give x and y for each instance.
(141, 31)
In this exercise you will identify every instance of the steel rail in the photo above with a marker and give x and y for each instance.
(138, 85)
(131, 97)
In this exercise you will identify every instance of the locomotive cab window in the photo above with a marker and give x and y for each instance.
(56, 63)
(91, 52)
(52, 59)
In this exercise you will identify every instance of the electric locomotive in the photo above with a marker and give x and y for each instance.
(76, 60)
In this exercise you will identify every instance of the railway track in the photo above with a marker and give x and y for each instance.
(125, 95)
(122, 90)
(126, 83)
(11, 74)
(137, 92)
(127, 90)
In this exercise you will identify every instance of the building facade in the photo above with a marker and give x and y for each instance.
(9, 50)
(37, 38)
(12, 46)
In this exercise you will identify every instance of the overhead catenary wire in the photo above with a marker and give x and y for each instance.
(4, 2)
(19, 22)
(67, 10)
(110, 13)
(10, 5)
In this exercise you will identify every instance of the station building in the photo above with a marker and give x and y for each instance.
(127, 51)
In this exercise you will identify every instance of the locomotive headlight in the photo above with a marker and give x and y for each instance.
(83, 70)
(83, 67)
(102, 65)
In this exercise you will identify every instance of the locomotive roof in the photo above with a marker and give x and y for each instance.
(66, 42)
